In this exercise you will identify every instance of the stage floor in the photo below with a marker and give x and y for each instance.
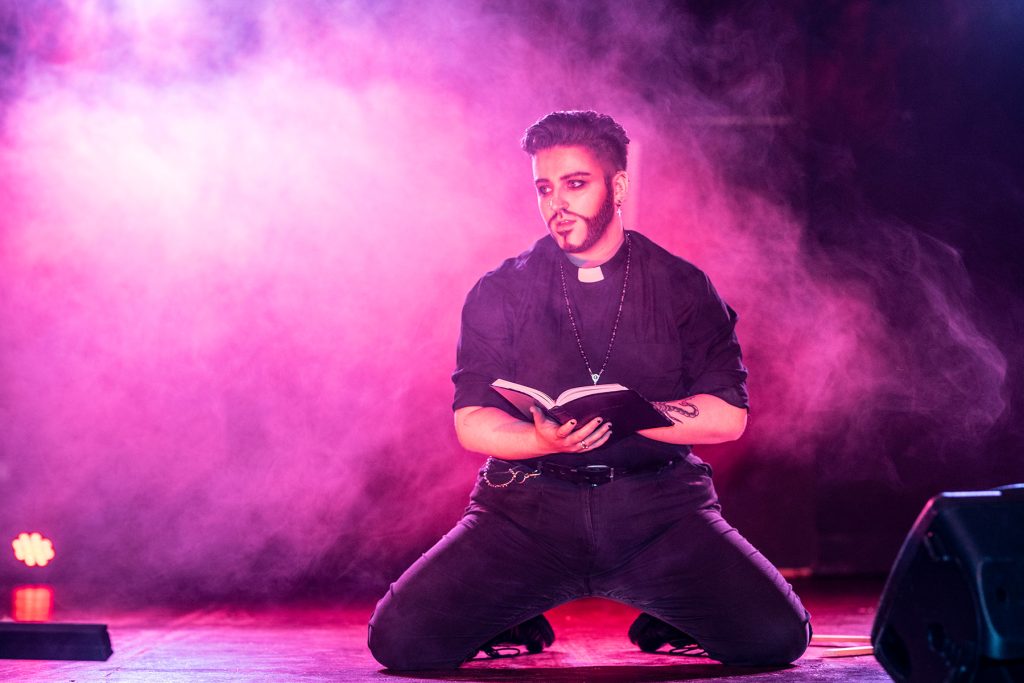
(327, 643)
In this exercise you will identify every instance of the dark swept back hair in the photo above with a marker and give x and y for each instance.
(597, 132)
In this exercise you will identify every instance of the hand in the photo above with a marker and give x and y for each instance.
(556, 438)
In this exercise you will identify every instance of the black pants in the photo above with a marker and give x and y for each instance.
(654, 541)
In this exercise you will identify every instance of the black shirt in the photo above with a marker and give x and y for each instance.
(675, 337)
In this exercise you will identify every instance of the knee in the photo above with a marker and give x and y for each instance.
(776, 644)
(383, 645)
(789, 643)
(388, 648)
(396, 645)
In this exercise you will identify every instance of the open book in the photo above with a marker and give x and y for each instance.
(626, 409)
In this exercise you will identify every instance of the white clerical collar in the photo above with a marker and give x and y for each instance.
(594, 274)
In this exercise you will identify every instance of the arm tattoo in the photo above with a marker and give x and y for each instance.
(677, 412)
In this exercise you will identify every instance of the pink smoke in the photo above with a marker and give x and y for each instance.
(233, 252)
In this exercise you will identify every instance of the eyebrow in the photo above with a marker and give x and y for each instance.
(566, 176)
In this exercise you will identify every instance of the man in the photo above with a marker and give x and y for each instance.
(566, 511)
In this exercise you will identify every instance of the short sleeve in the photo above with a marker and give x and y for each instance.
(715, 361)
(484, 346)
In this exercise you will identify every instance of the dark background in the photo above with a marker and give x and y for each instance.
(896, 135)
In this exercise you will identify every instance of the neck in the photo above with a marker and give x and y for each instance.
(601, 252)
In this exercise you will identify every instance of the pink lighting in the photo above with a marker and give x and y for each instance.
(235, 240)
(33, 549)
(32, 603)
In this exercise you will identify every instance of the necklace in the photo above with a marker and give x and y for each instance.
(595, 376)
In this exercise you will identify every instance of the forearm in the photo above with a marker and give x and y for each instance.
(700, 419)
(492, 431)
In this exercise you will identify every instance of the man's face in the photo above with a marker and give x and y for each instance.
(574, 196)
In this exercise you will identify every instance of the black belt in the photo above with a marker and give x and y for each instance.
(595, 475)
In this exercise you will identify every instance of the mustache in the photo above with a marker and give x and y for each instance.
(565, 212)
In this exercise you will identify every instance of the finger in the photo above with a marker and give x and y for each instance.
(540, 420)
(566, 429)
(588, 429)
(602, 439)
(597, 439)
(535, 414)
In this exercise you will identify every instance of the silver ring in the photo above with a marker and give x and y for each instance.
(583, 445)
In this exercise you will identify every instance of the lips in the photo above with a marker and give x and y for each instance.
(563, 223)
(564, 228)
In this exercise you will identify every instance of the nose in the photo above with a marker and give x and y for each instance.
(556, 202)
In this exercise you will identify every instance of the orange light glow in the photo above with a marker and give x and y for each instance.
(33, 549)
(32, 603)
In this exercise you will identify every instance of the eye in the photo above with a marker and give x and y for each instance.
(576, 184)
(543, 190)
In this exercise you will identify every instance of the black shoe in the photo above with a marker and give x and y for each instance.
(649, 633)
(535, 634)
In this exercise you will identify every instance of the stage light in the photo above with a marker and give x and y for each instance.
(32, 603)
(33, 549)
(32, 634)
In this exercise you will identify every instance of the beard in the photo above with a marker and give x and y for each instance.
(597, 225)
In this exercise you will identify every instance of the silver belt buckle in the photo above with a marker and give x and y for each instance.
(599, 469)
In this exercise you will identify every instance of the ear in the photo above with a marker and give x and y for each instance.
(620, 185)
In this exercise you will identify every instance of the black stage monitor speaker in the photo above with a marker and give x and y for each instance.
(953, 606)
(54, 641)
